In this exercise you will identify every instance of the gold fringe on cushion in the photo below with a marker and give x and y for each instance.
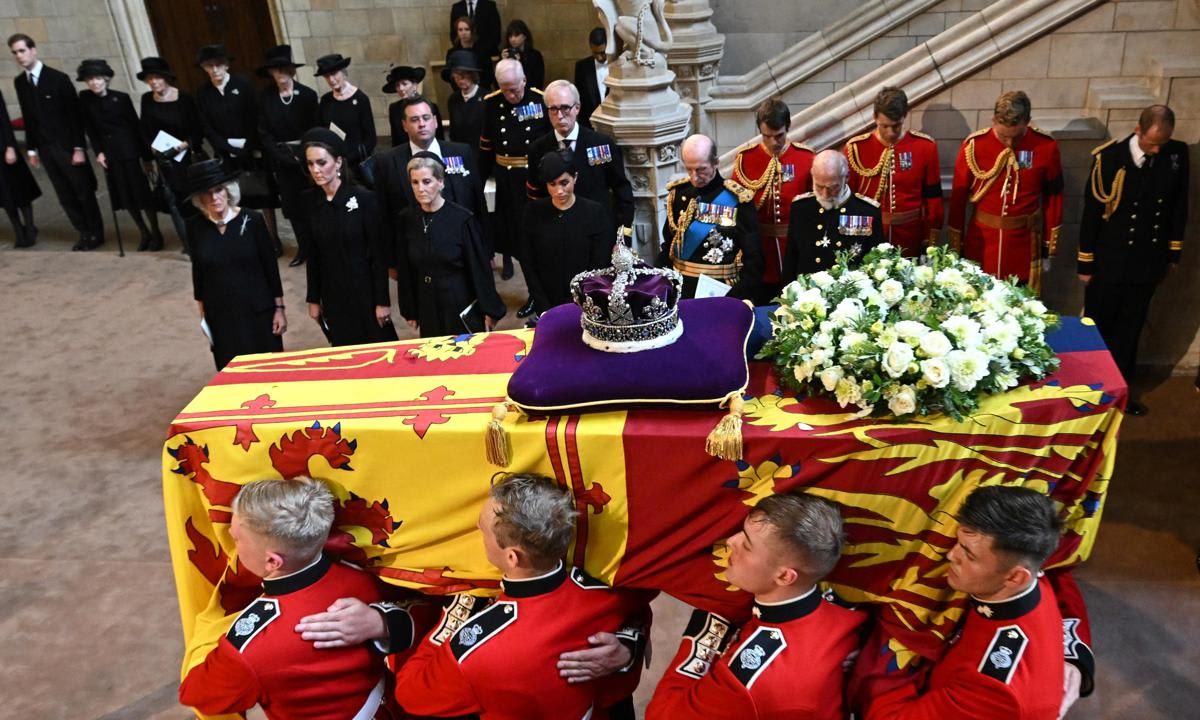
(496, 443)
(725, 441)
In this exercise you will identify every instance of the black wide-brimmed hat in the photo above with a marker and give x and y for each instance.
(213, 52)
(402, 72)
(329, 64)
(328, 138)
(463, 60)
(554, 164)
(93, 67)
(155, 66)
(279, 56)
(207, 174)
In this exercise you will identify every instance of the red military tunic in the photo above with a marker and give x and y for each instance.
(788, 662)
(1006, 664)
(501, 663)
(775, 180)
(1008, 186)
(262, 660)
(906, 180)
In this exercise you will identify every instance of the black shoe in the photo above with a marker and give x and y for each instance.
(526, 309)
(156, 242)
(506, 272)
(94, 242)
(144, 245)
(1136, 409)
(80, 244)
(26, 238)
(297, 261)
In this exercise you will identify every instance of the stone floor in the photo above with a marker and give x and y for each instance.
(100, 352)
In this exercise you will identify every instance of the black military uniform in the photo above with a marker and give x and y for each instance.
(1132, 229)
(816, 235)
(508, 131)
(713, 231)
(601, 177)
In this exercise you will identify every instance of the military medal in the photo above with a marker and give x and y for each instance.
(456, 166)
(1024, 159)
(855, 225)
(905, 160)
(787, 172)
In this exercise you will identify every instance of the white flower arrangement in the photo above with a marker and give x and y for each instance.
(903, 337)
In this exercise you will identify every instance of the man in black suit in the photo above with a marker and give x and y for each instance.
(590, 74)
(487, 22)
(1135, 207)
(464, 184)
(54, 138)
(601, 168)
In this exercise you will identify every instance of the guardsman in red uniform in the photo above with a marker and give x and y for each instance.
(262, 660)
(1006, 662)
(776, 171)
(1010, 172)
(898, 168)
(789, 660)
(502, 662)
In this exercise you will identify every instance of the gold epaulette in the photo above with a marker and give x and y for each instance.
(923, 136)
(492, 94)
(671, 185)
(858, 138)
(1096, 150)
(746, 148)
(1040, 131)
(801, 146)
(977, 133)
(802, 196)
(536, 90)
(867, 199)
(743, 193)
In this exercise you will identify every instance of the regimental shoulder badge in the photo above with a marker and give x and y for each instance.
(864, 198)
(710, 635)
(460, 609)
(858, 138)
(754, 655)
(676, 182)
(1041, 132)
(803, 196)
(923, 136)
(1004, 653)
(743, 194)
(585, 581)
(481, 627)
(1071, 641)
(261, 613)
(977, 133)
(801, 146)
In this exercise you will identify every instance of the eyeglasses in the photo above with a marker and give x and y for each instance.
(561, 109)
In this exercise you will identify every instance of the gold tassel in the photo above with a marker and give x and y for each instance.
(725, 440)
(496, 443)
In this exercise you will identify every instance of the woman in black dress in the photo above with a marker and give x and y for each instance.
(286, 112)
(234, 272)
(18, 189)
(520, 48)
(467, 39)
(349, 108)
(348, 261)
(405, 82)
(166, 109)
(116, 135)
(466, 102)
(564, 235)
(445, 279)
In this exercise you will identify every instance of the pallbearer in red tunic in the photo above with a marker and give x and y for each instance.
(776, 171)
(1009, 172)
(898, 168)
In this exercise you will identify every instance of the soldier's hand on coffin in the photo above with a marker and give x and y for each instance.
(348, 622)
(607, 656)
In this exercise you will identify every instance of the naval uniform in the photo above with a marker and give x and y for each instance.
(508, 130)
(501, 663)
(906, 180)
(1007, 235)
(713, 231)
(1134, 218)
(601, 175)
(787, 662)
(816, 235)
(775, 180)
(262, 660)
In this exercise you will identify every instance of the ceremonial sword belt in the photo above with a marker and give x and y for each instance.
(1007, 222)
(512, 161)
(727, 272)
(901, 218)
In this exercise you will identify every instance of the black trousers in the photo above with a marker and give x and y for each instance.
(1120, 310)
(75, 186)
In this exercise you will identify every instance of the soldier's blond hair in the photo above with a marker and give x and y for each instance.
(297, 514)
(1013, 108)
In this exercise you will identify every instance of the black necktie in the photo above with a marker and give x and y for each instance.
(471, 9)
(566, 145)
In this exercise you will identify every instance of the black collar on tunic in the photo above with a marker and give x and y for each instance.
(299, 579)
(793, 609)
(1012, 608)
(534, 586)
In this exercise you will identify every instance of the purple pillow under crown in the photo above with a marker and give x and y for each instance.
(629, 306)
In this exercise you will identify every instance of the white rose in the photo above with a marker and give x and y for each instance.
(935, 344)
(897, 358)
(963, 329)
(935, 372)
(911, 329)
(951, 279)
(851, 339)
(830, 377)
(821, 279)
(904, 401)
(880, 274)
(810, 302)
(884, 247)
(967, 368)
(847, 312)
(891, 291)
(1035, 307)
(923, 274)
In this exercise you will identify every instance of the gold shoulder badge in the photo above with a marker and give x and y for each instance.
(866, 199)
(860, 138)
(805, 195)
(977, 133)
(492, 94)
(743, 194)
(1099, 148)
(536, 90)
(671, 185)
(801, 146)
(923, 136)
(1041, 132)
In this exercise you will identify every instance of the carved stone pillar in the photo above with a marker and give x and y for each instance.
(695, 55)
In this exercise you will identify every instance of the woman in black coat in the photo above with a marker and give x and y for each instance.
(349, 108)
(348, 261)
(18, 189)
(115, 132)
(564, 235)
(166, 109)
(405, 82)
(235, 276)
(519, 47)
(467, 40)
(445, 279)
(466, 102)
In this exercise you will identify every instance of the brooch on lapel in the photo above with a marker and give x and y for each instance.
(235, 91)
(352, 203)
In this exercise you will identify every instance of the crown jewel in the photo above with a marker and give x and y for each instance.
(629, 306)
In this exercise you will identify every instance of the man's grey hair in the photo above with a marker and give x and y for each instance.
(508, 66)
(561, 84)
(806, 525)
(297, 514)
(232, 189)
(534, 514)
(700, 140)
(424, 163)
(827, 158)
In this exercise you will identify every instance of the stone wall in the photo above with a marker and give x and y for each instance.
(756, 30)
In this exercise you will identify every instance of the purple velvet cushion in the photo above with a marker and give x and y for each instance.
(701, 368)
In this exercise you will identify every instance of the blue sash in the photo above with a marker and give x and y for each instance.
(720, 211)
